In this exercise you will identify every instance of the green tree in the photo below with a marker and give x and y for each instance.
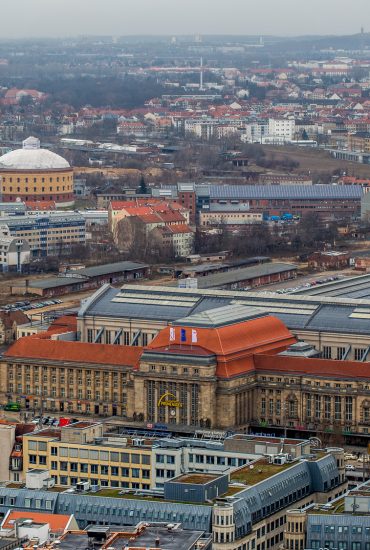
(305, 135)
(143, 190)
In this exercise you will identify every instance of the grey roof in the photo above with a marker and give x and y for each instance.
(82, 275)
(301, 192)
(12, 206)
(165, 304)
(169, 540)
(243, 274)
(35, 220)
(221, 316)
(230, 207)
(137, 303)
(205, 267)
(55, 282)
(116, 267)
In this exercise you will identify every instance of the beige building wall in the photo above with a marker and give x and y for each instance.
(7, 439)
(229, 218)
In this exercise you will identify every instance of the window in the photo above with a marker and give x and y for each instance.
(327, 407)
(359, 353)
(341, 351)
(337, 408)
(263, 406)
(135, 472)
(326, 352)
(349, 408)
(318, 406)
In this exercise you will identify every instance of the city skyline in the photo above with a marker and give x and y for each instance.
(41, 18)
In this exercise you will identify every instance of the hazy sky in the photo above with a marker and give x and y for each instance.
(24, 18)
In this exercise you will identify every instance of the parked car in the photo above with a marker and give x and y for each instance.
(349, 456)
(350, 467)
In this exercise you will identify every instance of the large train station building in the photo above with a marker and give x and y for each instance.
(188, 358)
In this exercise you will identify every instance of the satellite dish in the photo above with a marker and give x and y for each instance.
(251, 467)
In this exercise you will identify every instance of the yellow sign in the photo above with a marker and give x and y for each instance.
(168, 399)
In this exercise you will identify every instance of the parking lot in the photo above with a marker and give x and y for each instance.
(26, 305)
(306, 281)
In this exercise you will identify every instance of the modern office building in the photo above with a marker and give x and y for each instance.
(78, 453)
(245, 509)
(35, 174)
(49, 233)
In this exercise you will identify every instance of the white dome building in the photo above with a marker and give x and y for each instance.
(35, 174)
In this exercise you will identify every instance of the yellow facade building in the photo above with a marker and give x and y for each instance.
(79, 453)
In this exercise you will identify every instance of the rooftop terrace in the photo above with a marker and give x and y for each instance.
(258, 471)
(196, 478)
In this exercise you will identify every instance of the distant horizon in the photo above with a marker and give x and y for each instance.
(179, 35)
(25, 19)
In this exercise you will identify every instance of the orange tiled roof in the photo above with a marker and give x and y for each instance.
(234, 345)
(313, 366)
(57, 522)
(179, 228)
(34, 347)
(66, 321)
(40, 205)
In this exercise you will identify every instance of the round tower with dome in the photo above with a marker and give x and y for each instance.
(35, 174)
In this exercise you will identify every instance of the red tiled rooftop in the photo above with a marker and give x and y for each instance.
(312, 366)
(234, 345)
(57, 522)
(34, 347)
